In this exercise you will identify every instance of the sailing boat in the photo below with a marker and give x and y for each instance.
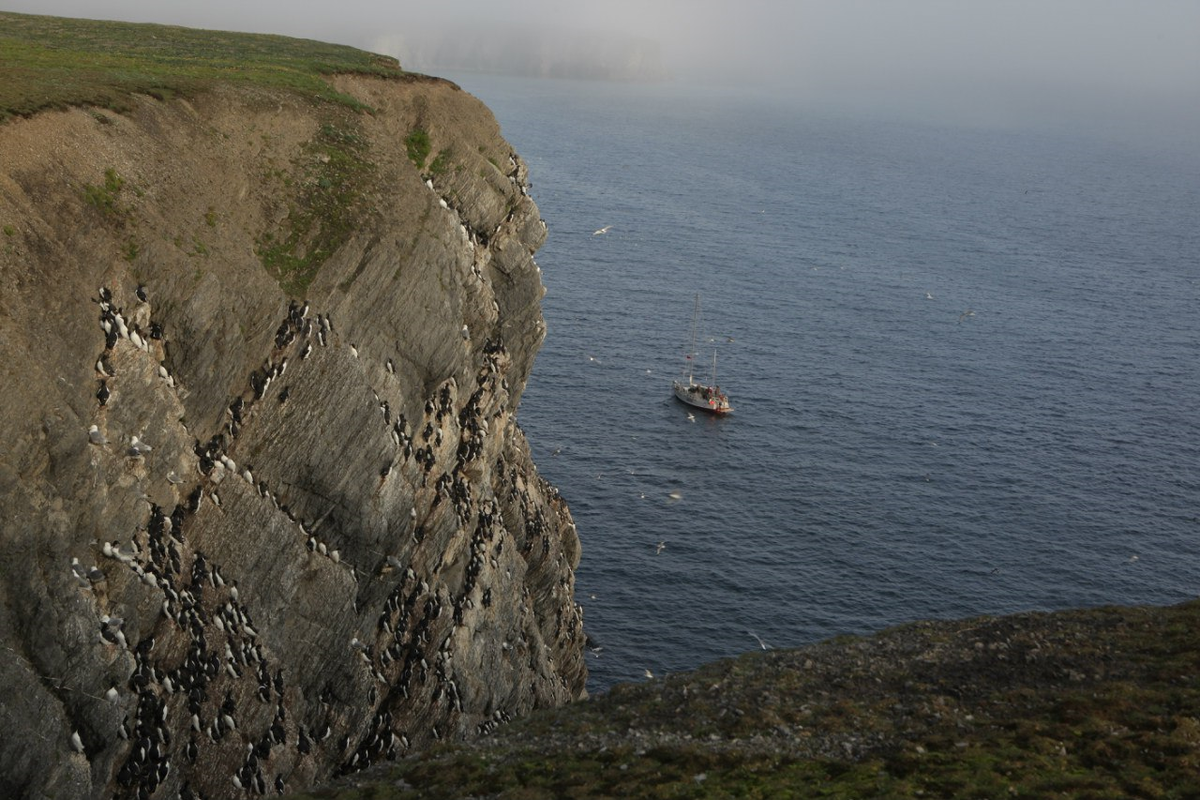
(706, 396)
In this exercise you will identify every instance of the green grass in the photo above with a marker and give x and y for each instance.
(56, 63)
(1109, 707)
(326, 206)
(104, 197)
(441, 164)
(418, 146)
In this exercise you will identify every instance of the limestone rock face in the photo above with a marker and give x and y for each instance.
(266, 514)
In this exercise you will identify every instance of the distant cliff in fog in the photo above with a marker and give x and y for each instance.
(533, 52)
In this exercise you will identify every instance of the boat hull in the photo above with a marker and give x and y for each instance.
(706, 398)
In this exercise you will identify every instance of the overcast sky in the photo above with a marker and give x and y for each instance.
(1126, 59)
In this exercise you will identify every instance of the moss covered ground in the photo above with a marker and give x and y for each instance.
(55, 62)
(1101, 703)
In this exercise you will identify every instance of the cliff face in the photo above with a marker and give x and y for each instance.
(305, 533)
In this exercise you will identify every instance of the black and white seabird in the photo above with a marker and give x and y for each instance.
(102, 394)
(141, 293)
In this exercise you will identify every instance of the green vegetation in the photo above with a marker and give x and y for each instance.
(442, 163)
(9, 230)
(56, 63)
(1102, 703)
(325, 209)
(104, 197)
(418, 146)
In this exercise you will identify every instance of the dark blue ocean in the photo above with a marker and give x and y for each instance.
(891, 457)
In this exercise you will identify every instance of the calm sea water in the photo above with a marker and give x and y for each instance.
(888, 458)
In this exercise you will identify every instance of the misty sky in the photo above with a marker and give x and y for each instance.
(979, 60)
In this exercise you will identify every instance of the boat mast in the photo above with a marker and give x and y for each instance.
(691, 358)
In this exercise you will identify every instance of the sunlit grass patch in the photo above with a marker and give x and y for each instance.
(56, 63)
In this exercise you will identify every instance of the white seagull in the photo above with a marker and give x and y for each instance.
(605, 229)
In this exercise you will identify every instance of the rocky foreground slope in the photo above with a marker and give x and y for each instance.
(1101, 703)
(266, 515)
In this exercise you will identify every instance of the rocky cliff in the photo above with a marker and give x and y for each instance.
(266, 514)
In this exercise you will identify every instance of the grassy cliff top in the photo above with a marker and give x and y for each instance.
(55, 63)
(1101, 703)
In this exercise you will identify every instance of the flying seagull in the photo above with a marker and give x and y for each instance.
(605, 229)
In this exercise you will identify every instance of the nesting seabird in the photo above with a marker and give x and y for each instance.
(141, 293)
(102, 394)
(138, 448)
(76, 742)
(95, 436)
